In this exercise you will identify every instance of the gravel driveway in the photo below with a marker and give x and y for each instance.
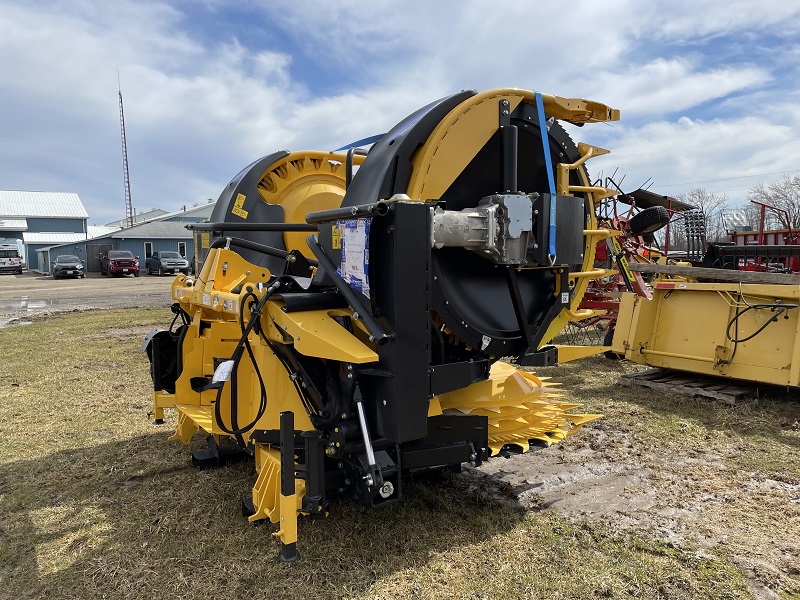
(32, 295)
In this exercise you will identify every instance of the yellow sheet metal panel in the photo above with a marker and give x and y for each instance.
(694, 327)
(316, 333)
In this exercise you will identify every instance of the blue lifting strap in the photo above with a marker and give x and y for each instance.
(549, 168)
(360, 143)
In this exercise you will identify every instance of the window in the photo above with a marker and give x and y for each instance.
(182, 249)
(148, 249)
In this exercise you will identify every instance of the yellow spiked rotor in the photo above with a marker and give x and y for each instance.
(520, 407)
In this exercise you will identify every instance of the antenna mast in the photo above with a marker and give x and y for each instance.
(128, 203)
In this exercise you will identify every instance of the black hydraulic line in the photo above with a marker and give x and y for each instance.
(376, 332)
(236, 357)
(776, 307)
(348, 165)
(247, 244)
(363, 211)
(348, 168)
(224, 226)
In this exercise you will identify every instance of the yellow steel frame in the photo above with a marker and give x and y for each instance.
(684, 327)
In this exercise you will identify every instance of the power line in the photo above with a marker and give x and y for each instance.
(728, 178)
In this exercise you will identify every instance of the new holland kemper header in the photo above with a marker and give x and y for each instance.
(348, 324)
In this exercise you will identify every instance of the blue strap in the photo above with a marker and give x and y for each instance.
(359, 143)
(549, 167)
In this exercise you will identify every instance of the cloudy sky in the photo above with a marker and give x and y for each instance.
(709, 90)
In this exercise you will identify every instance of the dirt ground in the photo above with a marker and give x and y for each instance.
(696, 496)
(705, 497)
(32, 295)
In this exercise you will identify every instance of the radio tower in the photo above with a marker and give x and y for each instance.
(128, 204)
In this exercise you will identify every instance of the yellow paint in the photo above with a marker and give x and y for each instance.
(520, 407)
(684, 327)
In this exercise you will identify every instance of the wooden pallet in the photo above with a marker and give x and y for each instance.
(693, 384)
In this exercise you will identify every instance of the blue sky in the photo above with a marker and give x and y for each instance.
(709, 91)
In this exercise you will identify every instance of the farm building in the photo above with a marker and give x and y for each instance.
(163, 232)
(37, 220)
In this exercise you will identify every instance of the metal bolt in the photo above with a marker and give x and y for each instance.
(347, 482)
(505, 112)
(387, 489)
(384, 402)
(344, 416)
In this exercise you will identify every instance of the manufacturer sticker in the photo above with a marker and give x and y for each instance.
(354, 241)
(564, 297)
(237, 206)
(207, 299)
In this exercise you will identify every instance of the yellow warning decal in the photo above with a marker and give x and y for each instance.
(336, 238)
(237, 206)
(205, 239)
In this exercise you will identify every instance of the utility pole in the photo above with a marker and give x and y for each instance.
(128, 203)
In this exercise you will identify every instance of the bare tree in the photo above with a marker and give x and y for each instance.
(712, 206)
(783, 194)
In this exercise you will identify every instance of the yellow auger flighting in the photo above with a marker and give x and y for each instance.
(346, 325)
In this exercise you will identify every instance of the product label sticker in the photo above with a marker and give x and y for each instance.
(237, 206)
(354, 241)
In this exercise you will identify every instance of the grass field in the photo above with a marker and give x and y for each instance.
(95, 502)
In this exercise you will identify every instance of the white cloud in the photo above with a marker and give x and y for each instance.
(697, 153)
(199, 108)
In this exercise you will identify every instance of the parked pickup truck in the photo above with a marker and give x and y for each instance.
(166, 262)
(119, 262)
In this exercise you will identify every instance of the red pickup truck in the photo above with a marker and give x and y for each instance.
(119, 262)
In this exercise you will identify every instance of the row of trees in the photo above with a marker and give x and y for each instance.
(721, 218)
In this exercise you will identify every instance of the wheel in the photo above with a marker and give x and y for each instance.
(649, 220)
(160, 270)
(83, 275)
(609, 337)
(136, 274)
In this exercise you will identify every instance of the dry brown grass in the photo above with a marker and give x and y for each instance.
(96, 502)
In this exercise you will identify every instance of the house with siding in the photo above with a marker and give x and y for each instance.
(37, 220)
(163, 232)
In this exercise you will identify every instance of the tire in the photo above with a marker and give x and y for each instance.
(160, 271)
(649, 220)
(136, 274)
(609, 337)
